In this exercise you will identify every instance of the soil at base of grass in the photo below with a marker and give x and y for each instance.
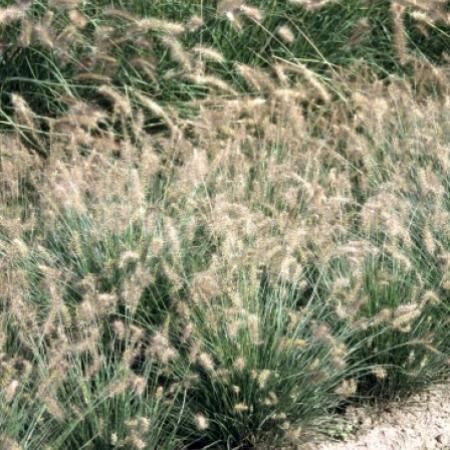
(420, 423)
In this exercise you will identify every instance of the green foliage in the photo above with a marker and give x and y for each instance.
(336, 35)
(235, 282)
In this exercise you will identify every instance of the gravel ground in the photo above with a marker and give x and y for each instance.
(421, 423)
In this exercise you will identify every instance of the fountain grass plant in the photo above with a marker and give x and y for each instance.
(218, 225)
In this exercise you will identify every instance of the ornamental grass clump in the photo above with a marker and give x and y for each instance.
(198, 251)
(53, 51)
(266, 370)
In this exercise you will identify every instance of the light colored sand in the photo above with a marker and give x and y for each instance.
(422, 423)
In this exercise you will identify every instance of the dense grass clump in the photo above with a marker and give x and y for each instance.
(220, 222)
(176, 51)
